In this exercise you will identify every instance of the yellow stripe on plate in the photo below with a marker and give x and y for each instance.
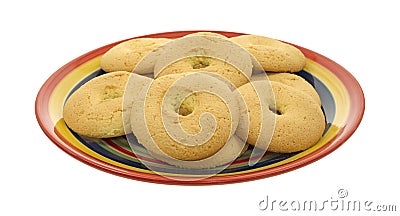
(337, 89)
(66, 133)
(60, 92)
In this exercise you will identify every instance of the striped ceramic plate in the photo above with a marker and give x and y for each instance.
(342, 102)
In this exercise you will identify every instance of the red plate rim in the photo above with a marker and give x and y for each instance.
(357, 107)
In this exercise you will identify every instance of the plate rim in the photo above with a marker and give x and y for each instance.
(357, 108)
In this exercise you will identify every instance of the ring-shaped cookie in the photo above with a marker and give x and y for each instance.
(206, 64)
(126, 55)
(296, 82)
(199, 52)
(299, 124)
(273, 55)
(194, 112)
(233, 149)
(95, 108)
(204, 33)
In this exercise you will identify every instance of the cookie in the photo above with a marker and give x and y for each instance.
(136, 83)
(273, 55)
(180, 118)
(205, 54)
(233, 149)
(126, 55)
(296, 82)
(299, 120)
(96, 108)
(206, 64)
(213, 34)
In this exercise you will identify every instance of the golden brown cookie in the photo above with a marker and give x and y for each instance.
(296, 82)
(95, 109)
(206, 64)
(213, 34)
(134, 86)
(218, 56)
(172, 120)
(299, 120)
(273, 55)
(126, 55)
(232, 150)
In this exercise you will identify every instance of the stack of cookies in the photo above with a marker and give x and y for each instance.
(194, 101)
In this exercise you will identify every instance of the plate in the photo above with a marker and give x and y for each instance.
(342, 102)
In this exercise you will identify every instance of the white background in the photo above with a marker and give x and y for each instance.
(38, 37)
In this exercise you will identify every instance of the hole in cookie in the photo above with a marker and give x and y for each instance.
(274, 110)
(111, 92)
(199, 62)
(188, 105)
(199, 65)
(184, 112)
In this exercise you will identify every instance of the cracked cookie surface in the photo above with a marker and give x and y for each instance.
(299, 120)
(95, 109)
(206, 64)
(273, 55)
(296, 82)
(126, 55)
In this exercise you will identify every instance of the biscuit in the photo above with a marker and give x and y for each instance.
(206, 64)
(170, 119)
(296, 82)
(273, 55)
(126, 55)
(136, 83)
(233, 149)
(212, 34)
(96, 108)
(299, 120)
(205, 54)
